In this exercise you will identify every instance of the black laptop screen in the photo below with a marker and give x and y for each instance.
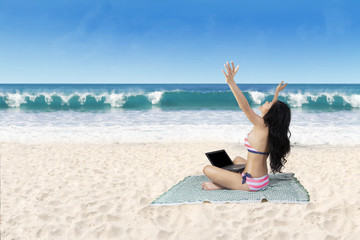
(219, 158)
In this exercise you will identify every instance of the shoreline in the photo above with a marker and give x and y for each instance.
(163, 142)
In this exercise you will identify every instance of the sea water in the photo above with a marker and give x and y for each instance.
(322, 114)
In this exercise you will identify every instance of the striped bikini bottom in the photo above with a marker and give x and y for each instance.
(255, 184)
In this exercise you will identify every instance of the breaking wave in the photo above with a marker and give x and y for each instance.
(176, 99)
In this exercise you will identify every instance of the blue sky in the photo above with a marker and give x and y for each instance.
(179, 41)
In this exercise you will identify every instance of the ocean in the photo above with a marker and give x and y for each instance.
(322, 114)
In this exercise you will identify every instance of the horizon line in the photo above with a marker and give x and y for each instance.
(171, 83)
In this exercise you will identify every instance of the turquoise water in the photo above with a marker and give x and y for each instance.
(108, 113)
(322, 97)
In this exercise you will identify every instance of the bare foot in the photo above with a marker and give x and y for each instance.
(211, 186)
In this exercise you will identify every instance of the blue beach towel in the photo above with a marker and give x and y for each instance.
(282, 188)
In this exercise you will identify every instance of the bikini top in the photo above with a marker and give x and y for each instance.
(250, 148)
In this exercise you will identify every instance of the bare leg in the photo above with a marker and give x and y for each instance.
(223, 179)
(239, 160)
(211, 186)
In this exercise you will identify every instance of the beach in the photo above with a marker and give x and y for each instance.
(103, 191)
(85, 161)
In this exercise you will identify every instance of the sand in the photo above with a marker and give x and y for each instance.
(103, 191)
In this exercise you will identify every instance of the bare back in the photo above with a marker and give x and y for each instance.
(256, 163)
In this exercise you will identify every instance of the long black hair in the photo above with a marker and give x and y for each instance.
(278, 120)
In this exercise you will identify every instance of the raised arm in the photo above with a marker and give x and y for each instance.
(278, 89)
(240, 98)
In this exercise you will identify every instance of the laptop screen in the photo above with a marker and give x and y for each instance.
(219, 158)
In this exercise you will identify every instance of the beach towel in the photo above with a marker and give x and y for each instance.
(282, 188)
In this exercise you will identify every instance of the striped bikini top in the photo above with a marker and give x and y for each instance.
(250, 148)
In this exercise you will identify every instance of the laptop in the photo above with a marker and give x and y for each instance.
(222, 160)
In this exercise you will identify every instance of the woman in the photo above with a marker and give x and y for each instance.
(269, 136)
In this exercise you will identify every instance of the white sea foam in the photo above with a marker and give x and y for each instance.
(15, 99)
(353, 99)
(65, 98)
(155, 97)
(116, 100)
(297, 99)
(328, 128)
(329, 97)
(257, 97)
(82, 97)
(305, 136)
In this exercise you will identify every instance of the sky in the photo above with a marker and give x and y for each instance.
(154, 41)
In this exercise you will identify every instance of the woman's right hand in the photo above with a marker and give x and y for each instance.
(280, 87)
(230, 72)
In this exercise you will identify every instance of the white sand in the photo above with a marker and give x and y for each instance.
(78, 191)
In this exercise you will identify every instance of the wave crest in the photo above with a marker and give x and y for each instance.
(173, 100)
